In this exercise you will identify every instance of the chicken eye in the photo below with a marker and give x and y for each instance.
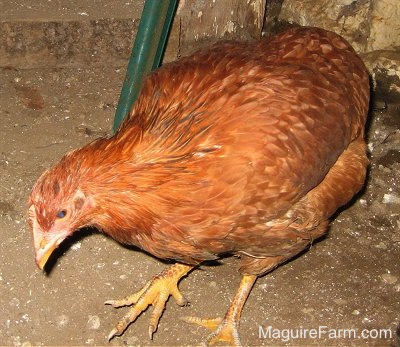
(61, 214)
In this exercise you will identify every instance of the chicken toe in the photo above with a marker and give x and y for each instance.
(223, 330)
(156, 293)
(226, 330)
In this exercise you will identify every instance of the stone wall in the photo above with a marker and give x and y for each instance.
(41, 33)
(371, 26)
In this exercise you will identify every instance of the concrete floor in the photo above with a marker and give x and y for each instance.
(349, 280)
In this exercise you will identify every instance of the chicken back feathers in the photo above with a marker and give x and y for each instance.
(242, 148)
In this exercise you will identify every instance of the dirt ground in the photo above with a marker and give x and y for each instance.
(349, 280)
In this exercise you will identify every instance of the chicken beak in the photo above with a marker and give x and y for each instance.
(45, 244)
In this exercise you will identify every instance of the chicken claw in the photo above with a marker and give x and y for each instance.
(226, 330)
(156, 293)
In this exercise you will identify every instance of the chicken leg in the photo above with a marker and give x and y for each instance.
(156, 292)
(226, 329)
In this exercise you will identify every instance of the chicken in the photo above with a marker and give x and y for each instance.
(243, 148)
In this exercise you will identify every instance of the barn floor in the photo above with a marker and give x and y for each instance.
(349, 280)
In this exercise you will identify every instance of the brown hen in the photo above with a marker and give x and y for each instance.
(242, 148)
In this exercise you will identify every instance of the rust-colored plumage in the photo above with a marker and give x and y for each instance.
(243, 148)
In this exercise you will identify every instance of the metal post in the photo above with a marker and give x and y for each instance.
(147, 52)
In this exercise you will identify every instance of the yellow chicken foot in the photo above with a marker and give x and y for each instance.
(156, 293)
(226, 330)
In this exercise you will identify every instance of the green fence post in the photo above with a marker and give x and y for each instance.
(147, 52)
